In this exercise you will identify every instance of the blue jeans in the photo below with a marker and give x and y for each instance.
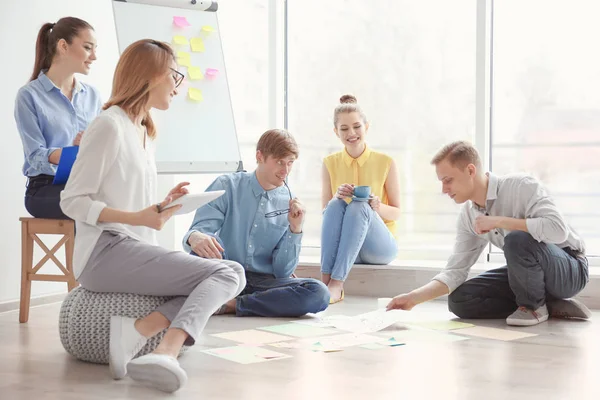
(353, 233)
(535, 272)
(267, 296)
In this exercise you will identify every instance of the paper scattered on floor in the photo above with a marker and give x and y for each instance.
(391, 342)
(368, 322)
(440, 325)
(494, 333)
(289, 345)
(246, 354)
(372, 346)
(332, 343)
(299, 330)
(341, 341)
(325, 348)
(410, 336)
(252, 336)
(380, 319)
(313, 321)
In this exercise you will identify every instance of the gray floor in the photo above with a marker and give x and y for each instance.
(560, 363)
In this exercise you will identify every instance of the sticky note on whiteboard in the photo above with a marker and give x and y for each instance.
(180, 40)
(183, 59)
(197, 44)
(211, 72)
(180, 22)
(195, 95)
(195, 73)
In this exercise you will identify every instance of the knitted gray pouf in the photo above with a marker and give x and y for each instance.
(84, 321)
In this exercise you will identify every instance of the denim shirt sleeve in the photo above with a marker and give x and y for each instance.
(210, 217)
(286, 254)
(34, 143)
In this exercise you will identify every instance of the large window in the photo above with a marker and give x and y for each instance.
(546, 102)
(411, 64)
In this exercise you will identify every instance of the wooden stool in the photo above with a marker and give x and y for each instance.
(30, 228)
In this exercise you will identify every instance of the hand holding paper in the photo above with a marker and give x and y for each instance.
(401, 302)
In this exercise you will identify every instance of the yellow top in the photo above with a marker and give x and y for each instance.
(371, 168)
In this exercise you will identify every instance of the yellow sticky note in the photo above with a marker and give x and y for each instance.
(195, 73)
(197, 44)
(183, 59)
(208, 29)
(195, 94)
(180, 40)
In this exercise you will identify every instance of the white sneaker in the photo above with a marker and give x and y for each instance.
(158, 371)
(526, 317)
(125, 343)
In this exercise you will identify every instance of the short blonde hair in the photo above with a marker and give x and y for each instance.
(277, 143)
(459, 154)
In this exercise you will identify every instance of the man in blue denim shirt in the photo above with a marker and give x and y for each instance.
(258, 223)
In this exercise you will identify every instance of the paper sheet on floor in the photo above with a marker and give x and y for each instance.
(328, 343)
(495, 333)
(368, 322)
(391, 342)
(411, 336)
(299, 330)
(440, 325)
(246, 354)
(313, 321)
(252, 336)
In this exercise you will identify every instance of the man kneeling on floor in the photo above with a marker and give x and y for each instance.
(258, 223)
(546, 263)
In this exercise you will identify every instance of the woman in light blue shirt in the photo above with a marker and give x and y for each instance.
(54, 108)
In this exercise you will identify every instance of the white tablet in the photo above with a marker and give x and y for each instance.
(192, 202)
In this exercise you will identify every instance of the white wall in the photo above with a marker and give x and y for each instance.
(19, 25)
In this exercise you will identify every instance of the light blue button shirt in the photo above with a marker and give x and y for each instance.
(47, 120)
(237, 219)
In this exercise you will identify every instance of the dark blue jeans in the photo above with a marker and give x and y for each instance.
(267, 296)
(42, 198)
(535, 272)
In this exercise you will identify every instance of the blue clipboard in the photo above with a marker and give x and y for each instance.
(67, 158)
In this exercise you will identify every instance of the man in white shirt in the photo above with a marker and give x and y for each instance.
(546, 263)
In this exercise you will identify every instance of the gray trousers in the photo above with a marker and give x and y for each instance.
(124, 265)
(535, 272)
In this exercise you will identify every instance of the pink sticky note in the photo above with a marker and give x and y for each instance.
(181, 22)
(211, 72)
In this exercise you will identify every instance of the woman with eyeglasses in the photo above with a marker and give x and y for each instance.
(111, 196)
(54, 108)
(357, 227)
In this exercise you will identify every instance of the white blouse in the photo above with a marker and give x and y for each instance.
(112, 169)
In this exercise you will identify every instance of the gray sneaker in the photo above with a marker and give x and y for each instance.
(526, 317)
(568, 308)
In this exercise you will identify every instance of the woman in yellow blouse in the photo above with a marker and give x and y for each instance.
(362, 228)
